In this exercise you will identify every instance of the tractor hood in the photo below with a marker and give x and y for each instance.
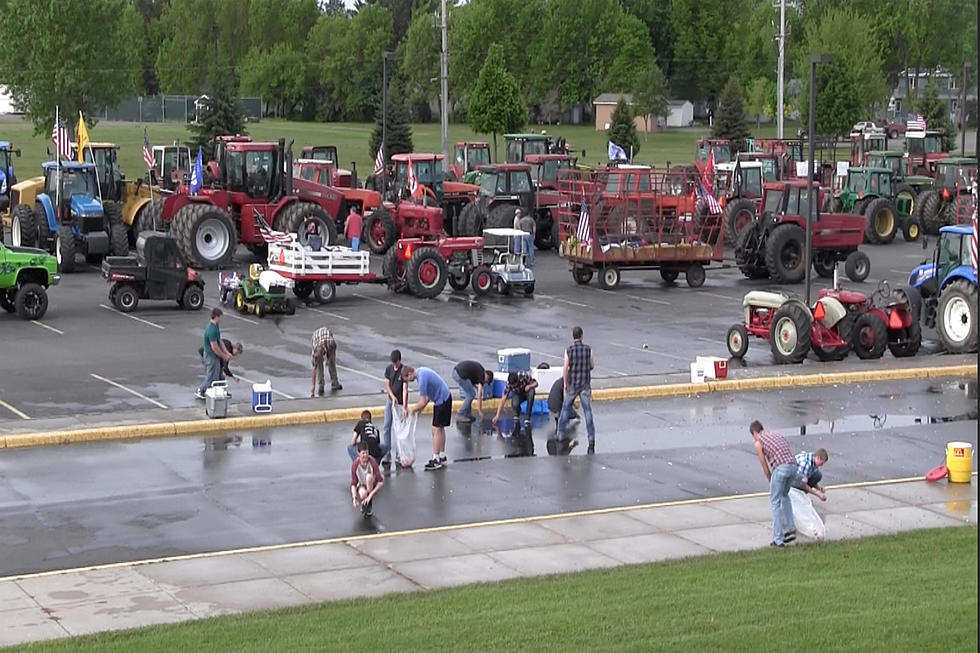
(921, 274)
(83, 205)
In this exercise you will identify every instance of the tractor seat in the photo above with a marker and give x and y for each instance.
(847, 297)
(513, 262)
(764, 298)
(254, 271)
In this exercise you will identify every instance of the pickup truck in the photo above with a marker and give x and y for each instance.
(25, 275)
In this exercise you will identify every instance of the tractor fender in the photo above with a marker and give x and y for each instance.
(44, 200)
(960, 273)
(131, 208)
(834, 311)
(912, 298)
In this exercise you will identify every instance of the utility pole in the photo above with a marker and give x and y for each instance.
(781, 38)
(444, 83)
(966, 78)
(384, 116)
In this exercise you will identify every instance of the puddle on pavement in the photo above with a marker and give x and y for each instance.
(880, 422)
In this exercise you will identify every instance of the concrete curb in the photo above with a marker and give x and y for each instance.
(196, 427)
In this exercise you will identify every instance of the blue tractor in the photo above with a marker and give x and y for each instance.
(68, 217)
(947, 290)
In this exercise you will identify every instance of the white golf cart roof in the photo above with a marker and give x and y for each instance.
(503, 232)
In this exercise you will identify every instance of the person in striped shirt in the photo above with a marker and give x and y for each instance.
(779, 466)
(808, 474)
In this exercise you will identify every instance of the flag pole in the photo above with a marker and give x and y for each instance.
(57, 158)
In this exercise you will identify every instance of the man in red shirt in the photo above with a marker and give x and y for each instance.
(365, 479)
(779, 465)
(353, 227)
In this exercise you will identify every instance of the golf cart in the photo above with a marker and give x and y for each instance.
(508, 268)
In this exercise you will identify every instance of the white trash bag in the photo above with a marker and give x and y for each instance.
(403, 436)
(807, 520)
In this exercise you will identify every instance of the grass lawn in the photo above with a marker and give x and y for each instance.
(675, 145)
(908, 592)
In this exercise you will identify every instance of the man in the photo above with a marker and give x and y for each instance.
(779, 466)
(577, 375)
(366, 431)
(525, 243)
(432, 388)
(365, 480)
(520, 389)
(352, 229)
(324, 347)
(472, 378)
(396, 398)
(235, 350)
(808, 474)
(214, 353)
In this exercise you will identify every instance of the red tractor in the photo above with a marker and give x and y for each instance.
(313, 175)
(864, 142)
(423, 266)
(256, 186)
(923, 149)
(721, 147)
(339, 177)
(468, 156)
(450, 196)
(219, 145)
(545, 167)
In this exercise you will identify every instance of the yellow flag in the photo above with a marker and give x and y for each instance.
(82, 134)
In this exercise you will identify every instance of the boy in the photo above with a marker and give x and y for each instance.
(432, 389)
(365, 480)
(235, 349)
(472, 378)
(520, 389)
(808, 474)
(365, 431)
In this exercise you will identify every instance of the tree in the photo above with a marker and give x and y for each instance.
(399, 139)
(650, 94)
(729, 121)
(622, 129)
(418, 59)
(700, 62)
(839, 103)
(632, 45)
(495, 106)
(936, 113)
(758, 98)
(222, 116)
(279, 76)
(655, 14)
(96, 68)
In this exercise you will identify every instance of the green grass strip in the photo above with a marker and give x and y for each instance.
(913, 591)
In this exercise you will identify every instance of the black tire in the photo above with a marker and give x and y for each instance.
(546, 233)
(126, 299)
(785, 260)
(65, 249)
(789, 336)
(857, 266)
(956, 321)
(582, 275)
(290, 308)
(823, 264)
(928, 211)
(470, 220)
(261, 307)
(695, 275)
(482, 280)
(869, 337)
(749, 256)
(118, 240)
(460, 279)
(292, 218)
(501, 216)
(529, 289)
(393, 269)
(8, 300)
(737, 341)
(609, 278)
(205, 235)
(193, 299)
(303, 289)
(738, 214)
(426, 272)
(113, 213)
(241, 302)
(502, 287)
(31, 301)
(379, 231)
(881, 223)
(149, 218)
(861, 206)
(23, 227)
(831, 353)
(908, 342)
(669, 274)
(911, 230)
(45, 240)
(325, 292)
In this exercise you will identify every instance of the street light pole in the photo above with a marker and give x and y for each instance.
(384, 115)
(444, 95)
(812, 213)
(781, 66)
(966, 77)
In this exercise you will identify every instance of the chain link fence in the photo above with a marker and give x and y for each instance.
(172, 108)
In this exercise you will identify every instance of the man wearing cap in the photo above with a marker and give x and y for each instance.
(526, 242)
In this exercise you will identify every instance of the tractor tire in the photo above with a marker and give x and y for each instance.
(860, 206)
(790, 335)
(393, 269)
(8, 299)
(929, 211)
(112, 212)
(205, 235)
(126, 299)
(379, 231)
(118, 240)
(911, 230)
(738, 213)
(582, 275)
(748, 257)
(737, 341)
(831, 353)
(857, 266)
(501, 216)
(45, 240)
(908, 342)
(823, 264)
(869, 337)
(426, 272)
(881, 222)
(291, 220)
(784, 254)
(459, 279)
(23, 227)
(303, 289)
(149, 218)
(905, 197)
(31, 301)
(482, 280)
(470, 220)
(193, 299)
(956, 322)
(64, 249)
(547, 236)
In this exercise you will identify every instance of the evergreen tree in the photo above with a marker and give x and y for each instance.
(729, 119)
(936, 114)
(622, 130)
(495, 106)
(223, 115)
(399, 139)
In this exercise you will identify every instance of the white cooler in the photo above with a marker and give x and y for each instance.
(546, 378)
(216, 400)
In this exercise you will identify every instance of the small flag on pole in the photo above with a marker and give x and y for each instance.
(268, 234)
(379, 162)
(916, 123)
(617, 153)
(59, 136)
(709, 170)
(413, 182)
(197, 176)
(584, 230)
(147, 151)
(83, 140)
(714, 208)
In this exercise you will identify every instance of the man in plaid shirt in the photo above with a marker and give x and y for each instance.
(520, 389)
(808, 474)
(779, 466)
(324, 348)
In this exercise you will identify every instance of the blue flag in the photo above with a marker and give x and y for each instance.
(616, 153)
(197, 176)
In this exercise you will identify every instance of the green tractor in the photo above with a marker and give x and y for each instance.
(888, 207)
(894, 160)
(951, 200)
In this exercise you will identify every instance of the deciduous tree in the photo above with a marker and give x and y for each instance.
(936, 113)
(839, 103)
(495, 106)
(650, 95)
(757, 98)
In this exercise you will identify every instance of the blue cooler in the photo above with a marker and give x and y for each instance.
(262, 397)
(513, 360)
(497, 388)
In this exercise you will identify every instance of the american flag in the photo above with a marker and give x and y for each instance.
(973, 240)
(268, 234)
(915, 123)
(584, 231)
(714, 208)
(147, 150)
(379, 162)
(59, 136)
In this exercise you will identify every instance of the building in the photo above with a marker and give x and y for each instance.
(606, 103)
(680, 113)
(911, 82)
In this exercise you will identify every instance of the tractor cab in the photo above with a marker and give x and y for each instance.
(428, 170)
(865, 181)
(628, 181)
(864, 142)
(789, 198)
(922, 150)
(721, 147)
(76, 193)
(739, 179)
(545, 167)
(519, 146)
(956, 176)
(7, 176)
(254, 169)
(772, 168)
(171, 165)
(105, 158)
(508, 183)
(893, 160)
(327, 154)
(320, 153)
(468, 157)
(215, 168)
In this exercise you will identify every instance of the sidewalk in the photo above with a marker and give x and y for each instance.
(128, 595)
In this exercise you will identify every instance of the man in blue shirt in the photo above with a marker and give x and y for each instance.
(432, 388)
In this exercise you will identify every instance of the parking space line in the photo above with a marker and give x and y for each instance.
(322, 312)
(133, 317)
(232, 315)
(129, 390)
(274, 391)
(703, 339)
(13, 410)
(49, 328)
(546, 355)
(387, 303)
(649, 351)
(441, 359)
(902, 272)
(370, 376)
(563, 301)
(647, 299)
(718, 295)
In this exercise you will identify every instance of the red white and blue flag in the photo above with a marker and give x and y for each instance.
(268, 234)
(973, 239)
(714, 208)
(584, 231)
(59, 136)
(147, 150)
(915, 123)
(379, 162)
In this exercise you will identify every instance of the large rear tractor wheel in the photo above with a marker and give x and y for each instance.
(905, 197)
(470, 220)
(379, 231)
(31, 301)
(784, 254)
(857, 266)
(426, 272)
(748, 255)
(501, 217)
(64, 249)
(789, 337)
(205, 235)
(737, 341)
(908, 342)
(738, 214)
(294, 218)
(928, 211)
(870, 336)
(823, 264)
(881, 224)
(957, 317)
(393, 269)
(23, 227)
(149, 218)
(118, 239)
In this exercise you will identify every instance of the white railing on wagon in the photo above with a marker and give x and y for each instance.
(296, 260)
